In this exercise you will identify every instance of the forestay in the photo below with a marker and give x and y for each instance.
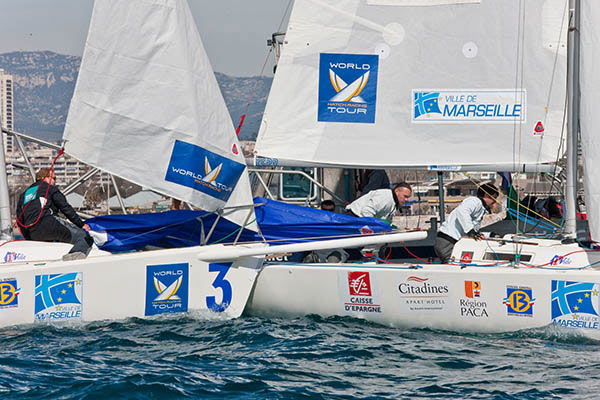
(147, 107)
(589, 116)
(419, 82)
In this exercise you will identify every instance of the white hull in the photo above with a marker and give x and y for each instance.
(120, 286)
(482, 298)
(450, 297)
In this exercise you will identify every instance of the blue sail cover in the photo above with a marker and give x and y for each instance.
(279, 222)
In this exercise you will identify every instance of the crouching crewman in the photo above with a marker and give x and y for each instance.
(37, 217)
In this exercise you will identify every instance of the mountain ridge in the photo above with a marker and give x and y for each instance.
(45, 81)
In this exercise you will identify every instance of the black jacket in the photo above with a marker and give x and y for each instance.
(53, 201)
(377, 179)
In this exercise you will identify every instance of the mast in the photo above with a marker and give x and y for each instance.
(5, 220)
(570, 214)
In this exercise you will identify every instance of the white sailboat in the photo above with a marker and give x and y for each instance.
(146, 108)
(450, 83)
(123, 120)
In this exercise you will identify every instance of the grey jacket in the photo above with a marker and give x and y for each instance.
(377, 203)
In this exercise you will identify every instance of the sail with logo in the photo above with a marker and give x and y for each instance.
(393, 83)
(147, 107)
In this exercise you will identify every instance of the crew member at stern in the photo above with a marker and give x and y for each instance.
(465, 220)
(37, 216)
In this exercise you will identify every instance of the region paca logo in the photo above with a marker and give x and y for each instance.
(347, 87)
(202, 170)
(9, 293)
(359, 283)
(58, 297)
(575, 304)
(519, 301)
(472, 289)
(472, 306)
(167, 288)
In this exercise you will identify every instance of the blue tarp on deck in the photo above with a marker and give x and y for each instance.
(281, 222)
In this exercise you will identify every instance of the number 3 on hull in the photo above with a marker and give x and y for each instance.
(223, 284)
(224, 287)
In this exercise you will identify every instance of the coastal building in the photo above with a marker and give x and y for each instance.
(7, 108)
(66, 168)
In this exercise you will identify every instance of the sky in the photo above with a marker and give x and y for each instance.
(234, 32)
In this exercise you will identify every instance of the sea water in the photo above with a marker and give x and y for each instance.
(303, 358)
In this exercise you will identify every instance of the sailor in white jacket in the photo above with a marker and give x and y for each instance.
(380, 203)
(464, 220)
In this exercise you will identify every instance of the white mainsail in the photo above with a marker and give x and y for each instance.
(147, 107)
(589, 106)
(391, 83)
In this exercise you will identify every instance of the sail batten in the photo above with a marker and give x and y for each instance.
(453, 83)
(147, 107)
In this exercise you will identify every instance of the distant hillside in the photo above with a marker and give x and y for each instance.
(44, 84)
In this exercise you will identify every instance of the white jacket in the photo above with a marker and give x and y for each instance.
(378, 203)
(464, 218)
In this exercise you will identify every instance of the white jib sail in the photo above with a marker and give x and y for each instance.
(589, 110)
(147, 107)
(419, 82)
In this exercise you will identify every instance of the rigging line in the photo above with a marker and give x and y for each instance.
(253, 92)
(560, 146)
(558, 157)
(541, 217)
(554, 68)
(414, 255)
(125, 240)
(551, 87)
(418, 201)
(284, 14)
(262, 70)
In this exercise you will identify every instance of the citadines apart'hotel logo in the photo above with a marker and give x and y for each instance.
(347, 87)
(203, 170)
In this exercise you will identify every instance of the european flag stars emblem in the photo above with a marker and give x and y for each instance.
(575, 304)
(58, 296)
(574, 298)
(426, 103)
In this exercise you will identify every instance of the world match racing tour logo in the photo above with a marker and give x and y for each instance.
(203, 170)
(347, 87)
(167, 288)
(469, 105)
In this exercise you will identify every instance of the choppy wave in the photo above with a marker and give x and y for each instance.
(304, 358)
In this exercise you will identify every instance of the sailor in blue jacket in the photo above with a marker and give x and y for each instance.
(37, 216)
